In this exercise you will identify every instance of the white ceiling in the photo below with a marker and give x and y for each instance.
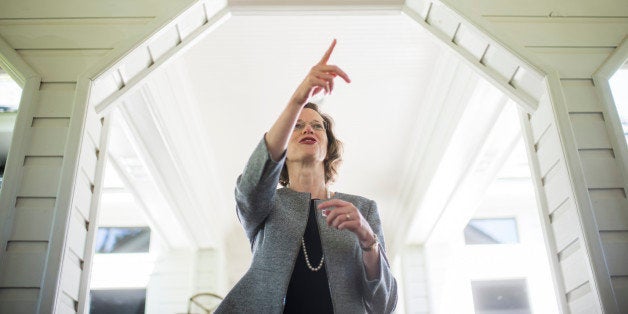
(194, 124)
(243, 74)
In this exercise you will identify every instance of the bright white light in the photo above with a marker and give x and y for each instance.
(619, 87)
(10, 93)
(131, 270)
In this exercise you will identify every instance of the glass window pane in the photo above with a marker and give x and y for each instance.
(618, 84)
(123, 301)
(491, 231)
(123, 240)
(10, 94)
(500, 296)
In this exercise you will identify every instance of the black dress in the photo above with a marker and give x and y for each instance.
(308, 291)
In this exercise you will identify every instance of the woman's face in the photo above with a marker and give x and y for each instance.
(309, 140)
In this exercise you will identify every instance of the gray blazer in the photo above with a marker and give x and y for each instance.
(274, 221)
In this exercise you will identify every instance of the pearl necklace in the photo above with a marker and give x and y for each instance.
(307, 258)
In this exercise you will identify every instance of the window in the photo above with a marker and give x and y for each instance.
(1, 173)
(491, 231)
(123, 240)
(500, 296)
(10, 94)
(618, 83)
(123, 301)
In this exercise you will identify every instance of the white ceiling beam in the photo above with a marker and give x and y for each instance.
(330, 3)
(447, 27)
(117, 80)
(254, 9)
(459, 163)
(434, 129)
(462, 204)
(151, 205)
(165, 164)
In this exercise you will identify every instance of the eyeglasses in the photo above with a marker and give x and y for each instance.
(316, 125)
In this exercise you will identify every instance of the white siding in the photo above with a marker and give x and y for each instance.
(502, 67)
(415, 281)
(48, 202)
(575, 39)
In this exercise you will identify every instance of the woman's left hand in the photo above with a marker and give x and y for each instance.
(346, 216)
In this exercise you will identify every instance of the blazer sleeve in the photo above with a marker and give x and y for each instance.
(380, 294)
(255, 189)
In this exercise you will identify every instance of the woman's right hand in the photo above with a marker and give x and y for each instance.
(320, 79)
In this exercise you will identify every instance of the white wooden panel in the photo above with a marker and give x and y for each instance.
(471, 41)
(548, 151)
(63, 308)
(88, 160)
(27, 203)
(542, 118)
(590, 131)
(557, 8)
(557, 187)
(565, 225)
(61, 65)
(55, 100)
(581, 96)
(414, 280)
(66, 304)
(77, 235)
(105, 85)
(93, 126)
(600, 169)
(547, 31)
(168, 39)
(47, 141)
(191, 20)
(135, 62)
(620, 287)
(50, 122)
(82, 197)
(573, 62)
(71, 276)
(24, 264)
(443, 19)
(610, 208)
(592, 8)
(18, 301)
(33, 219)
(529, 82)
(177, 282)
(584, 304)
(40, 181)
(95, 33)
(501, 61)
(615, 244)
(78, 8)
(419, 6)
(516, 8)
(574, 267)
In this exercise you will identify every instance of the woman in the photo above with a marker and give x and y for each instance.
(313, 251)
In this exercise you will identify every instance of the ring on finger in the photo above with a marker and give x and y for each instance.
(348, 217)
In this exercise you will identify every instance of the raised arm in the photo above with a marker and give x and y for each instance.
(319, 79)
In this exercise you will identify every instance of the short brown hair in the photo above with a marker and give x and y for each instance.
(334, 150)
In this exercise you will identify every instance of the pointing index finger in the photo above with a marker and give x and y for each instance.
(328, 53)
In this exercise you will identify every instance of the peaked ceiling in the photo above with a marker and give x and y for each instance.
(198, 120)
(244, 73)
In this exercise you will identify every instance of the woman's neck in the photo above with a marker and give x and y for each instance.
(307, 177)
